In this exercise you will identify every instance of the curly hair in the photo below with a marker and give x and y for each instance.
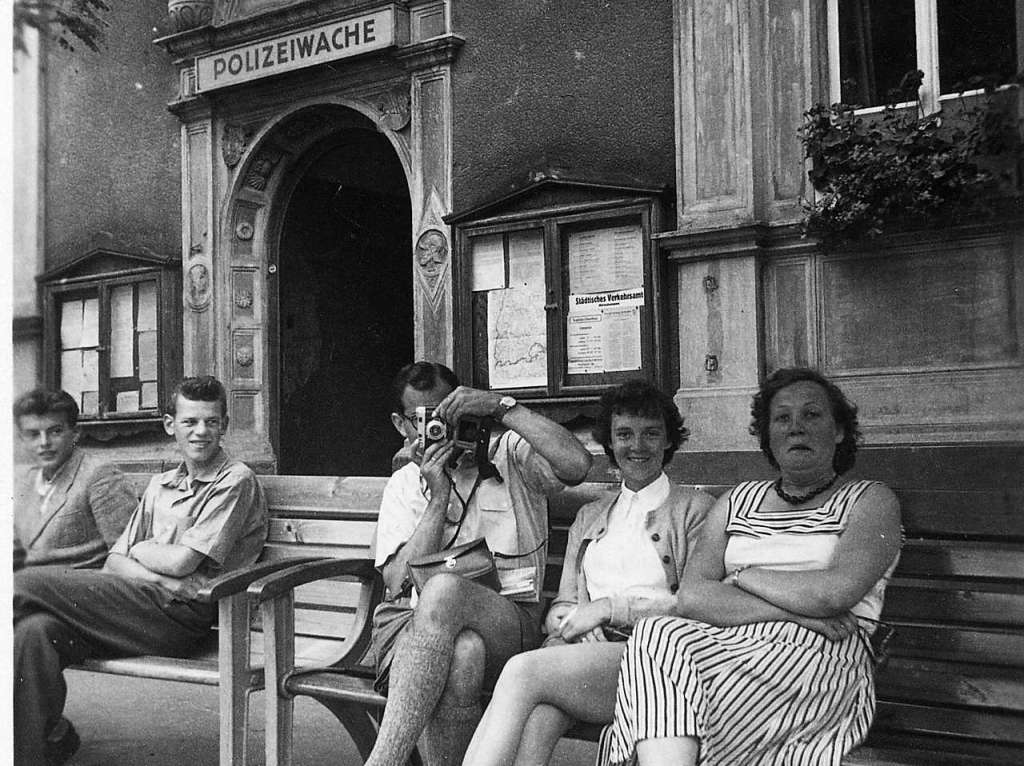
(844, 412)
(204, 388)
(45, 401)
(642, 399)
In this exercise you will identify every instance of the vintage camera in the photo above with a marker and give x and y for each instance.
(467, 432)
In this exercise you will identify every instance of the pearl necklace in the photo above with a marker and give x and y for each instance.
(800, 499)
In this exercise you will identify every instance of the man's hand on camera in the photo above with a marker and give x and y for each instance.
(433, 467)
(467, 401)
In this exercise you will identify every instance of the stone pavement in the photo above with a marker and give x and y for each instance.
(140, 722)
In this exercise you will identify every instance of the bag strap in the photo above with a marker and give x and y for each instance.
(465, 506)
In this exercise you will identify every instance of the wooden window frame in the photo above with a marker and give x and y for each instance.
(556, 226)
(100, 285)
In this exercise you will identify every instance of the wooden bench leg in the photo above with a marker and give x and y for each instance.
(233, 662)
(279, 640)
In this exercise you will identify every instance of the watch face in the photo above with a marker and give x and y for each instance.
(508, 401)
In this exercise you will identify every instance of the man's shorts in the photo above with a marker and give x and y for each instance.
(390, 620)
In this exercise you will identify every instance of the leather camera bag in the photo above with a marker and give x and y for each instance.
(472, 560)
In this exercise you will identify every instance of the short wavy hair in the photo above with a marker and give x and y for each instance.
(46, 401)
(642, 399)
(844, 412)
(203, 388)
(420, 376)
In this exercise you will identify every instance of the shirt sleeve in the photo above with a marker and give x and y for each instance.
(225, 515)
(572, 563)
(137, 528)
(536, 471)
(397, 519)
(112, 501)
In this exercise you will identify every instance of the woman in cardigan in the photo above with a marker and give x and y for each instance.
(623, 561)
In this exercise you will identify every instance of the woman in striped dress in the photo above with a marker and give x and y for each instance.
(769, 661)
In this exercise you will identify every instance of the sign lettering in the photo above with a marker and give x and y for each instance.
(328, 42)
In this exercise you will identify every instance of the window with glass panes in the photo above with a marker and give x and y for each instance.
(957, 44)
(107, 347)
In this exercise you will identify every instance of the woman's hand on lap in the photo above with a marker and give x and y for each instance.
(585, 619)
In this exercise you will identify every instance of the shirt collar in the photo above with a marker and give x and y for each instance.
(651, 496)
(180, 474)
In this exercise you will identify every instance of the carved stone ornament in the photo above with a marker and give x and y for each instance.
(431, 252)
(394, 108)
(261, 168)
(198, 294)
(189, 14)
(432, 256)
(244, 230)
(243, 299)
(244, 356)
(232, 144)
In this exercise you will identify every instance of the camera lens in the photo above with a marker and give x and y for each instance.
(436, 430)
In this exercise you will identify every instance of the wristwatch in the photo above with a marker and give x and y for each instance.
(504, 405)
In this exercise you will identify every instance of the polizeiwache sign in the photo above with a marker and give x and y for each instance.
(296, 50)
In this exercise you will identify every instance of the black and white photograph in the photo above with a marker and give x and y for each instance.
(514, 382)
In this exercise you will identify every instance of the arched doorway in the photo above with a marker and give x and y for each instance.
(344, 306)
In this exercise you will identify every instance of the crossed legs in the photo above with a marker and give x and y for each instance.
(539, 695)
(454, 646)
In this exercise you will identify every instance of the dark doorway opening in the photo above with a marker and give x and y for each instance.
(345, 308)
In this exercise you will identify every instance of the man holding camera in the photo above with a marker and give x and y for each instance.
(437, 650)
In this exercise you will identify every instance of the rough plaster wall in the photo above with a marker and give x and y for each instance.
(112, 154)
(588, 84)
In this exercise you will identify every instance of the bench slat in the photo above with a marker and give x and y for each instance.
(279, 551)
(990, 725)
(939, 513)
(321, 531)
(958, 558)
(199, 669)
(952, 683)
(353, 493)
(944, 642)
(955, 601)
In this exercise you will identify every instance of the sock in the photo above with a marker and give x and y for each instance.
(417, 680)
(448, 732)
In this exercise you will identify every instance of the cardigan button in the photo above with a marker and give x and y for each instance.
(655, 537)
(674, 587)
(666, 559)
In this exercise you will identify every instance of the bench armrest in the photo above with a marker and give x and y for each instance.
(275, 584)
(237, 581)
(275, 596)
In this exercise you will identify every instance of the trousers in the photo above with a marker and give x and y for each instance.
(63, 616)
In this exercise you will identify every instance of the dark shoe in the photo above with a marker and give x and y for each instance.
(59, 751)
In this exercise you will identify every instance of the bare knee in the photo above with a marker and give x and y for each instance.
(439, 603)
(523, 674)
(466, 674)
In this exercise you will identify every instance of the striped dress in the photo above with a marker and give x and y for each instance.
(762, 694)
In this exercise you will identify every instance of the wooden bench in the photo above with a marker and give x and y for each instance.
(952, 690)
(311, 517)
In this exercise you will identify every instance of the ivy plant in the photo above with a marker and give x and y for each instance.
(898, 168)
